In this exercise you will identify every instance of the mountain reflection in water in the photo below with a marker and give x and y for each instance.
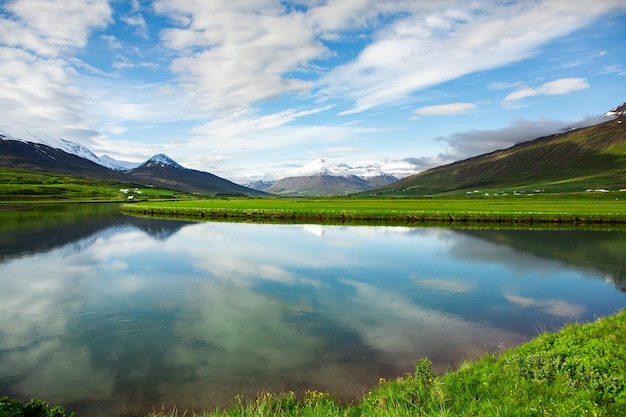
(109, 314)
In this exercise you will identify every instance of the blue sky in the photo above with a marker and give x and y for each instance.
(254, 89)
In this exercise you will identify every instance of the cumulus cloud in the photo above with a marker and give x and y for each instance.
(51, 27)
(233, 54)
(551, 88)
(38, 92)
(38, 79)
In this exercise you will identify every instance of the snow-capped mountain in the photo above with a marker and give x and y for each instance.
(322, 167)
(320, 177)
(25, 135)
(260, 185)
(22, 149)
(73, 148)
(116, 164)
(162, 160)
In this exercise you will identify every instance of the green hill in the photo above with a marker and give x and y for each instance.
(588, 158)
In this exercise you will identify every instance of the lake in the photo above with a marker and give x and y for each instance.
(115, 315)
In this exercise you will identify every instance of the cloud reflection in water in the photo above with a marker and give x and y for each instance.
(193, 317)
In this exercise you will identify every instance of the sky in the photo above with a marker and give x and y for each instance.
(254, 89)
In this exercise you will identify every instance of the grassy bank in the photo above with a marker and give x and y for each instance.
(590, 208)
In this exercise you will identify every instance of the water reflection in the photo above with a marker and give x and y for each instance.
(122, 314)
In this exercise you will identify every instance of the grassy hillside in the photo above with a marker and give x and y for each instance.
(589, 158)
(27, 186)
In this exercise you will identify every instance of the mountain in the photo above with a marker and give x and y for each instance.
(29, 156)
(322, 167)
(260, 185)
(320, 177)
(617, 111)
(589, 158)
(163, 172)
(58, 156)
(73, 148)
(316, 185)
(116, 164)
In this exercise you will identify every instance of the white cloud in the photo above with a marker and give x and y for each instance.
(112, 41)
(228, 79)
(521, 93)
(234, 54)
(136, 19)
(445, 109)
(614, 69)
(422, 50)
(556, 87)
(246, 122)
(37, 92)
(51, 27)
(37, 40)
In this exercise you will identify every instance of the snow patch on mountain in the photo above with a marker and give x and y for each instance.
(162, 160)
(617, 111)
(322, 167)
(18, 133)
(116, 164)
(25, 135)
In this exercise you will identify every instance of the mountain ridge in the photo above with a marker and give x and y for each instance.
(580, 159)
(322, 184)
(319, 177)
(20, 134)
(159, 171)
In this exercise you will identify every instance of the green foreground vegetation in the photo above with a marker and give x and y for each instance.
(578, 371)
(590, 208)
(17, 186)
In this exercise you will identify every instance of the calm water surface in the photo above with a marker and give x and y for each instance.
(109, 314)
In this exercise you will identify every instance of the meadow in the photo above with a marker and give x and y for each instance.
(584, 208)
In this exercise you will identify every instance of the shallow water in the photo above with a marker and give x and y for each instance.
(110, 314)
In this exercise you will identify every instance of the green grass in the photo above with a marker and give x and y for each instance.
(33, 408)
(523, 208)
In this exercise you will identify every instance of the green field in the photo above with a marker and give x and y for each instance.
(592, 208)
